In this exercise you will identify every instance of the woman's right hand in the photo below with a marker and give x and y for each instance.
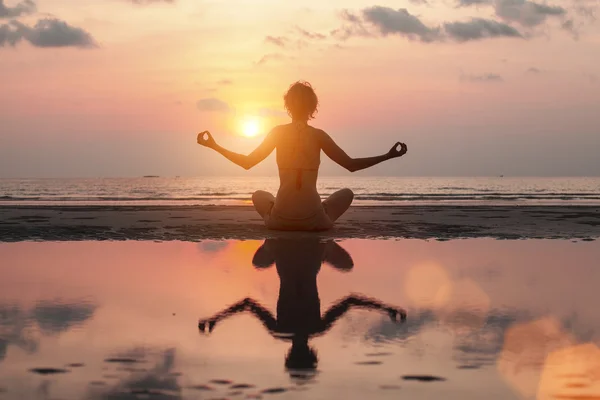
(206, 140)
(394, 152)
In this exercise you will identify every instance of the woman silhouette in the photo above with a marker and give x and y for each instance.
(298, 262)
(298, 204)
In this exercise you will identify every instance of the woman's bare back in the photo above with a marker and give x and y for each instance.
(298, 159)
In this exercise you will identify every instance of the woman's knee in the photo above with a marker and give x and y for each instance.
(263, 201)
(338, 203)
(260, 196)
(348, 194)
(255, 196)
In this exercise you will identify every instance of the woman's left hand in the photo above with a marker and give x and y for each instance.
(394, 152)
(394, 313)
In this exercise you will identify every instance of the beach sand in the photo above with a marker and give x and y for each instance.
(194, 223)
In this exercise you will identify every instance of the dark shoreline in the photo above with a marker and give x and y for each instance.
(194, 223)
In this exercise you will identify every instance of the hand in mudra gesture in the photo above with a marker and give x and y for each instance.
(397, 314)
(206, 326)
(206, 139)
(395, 152)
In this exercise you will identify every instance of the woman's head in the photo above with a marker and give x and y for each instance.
(301, 357)
(301, 101)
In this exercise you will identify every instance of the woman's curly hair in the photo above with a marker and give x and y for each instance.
(301, 101)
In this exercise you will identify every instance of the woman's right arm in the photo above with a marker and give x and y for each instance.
(335, 152)
(245, 161)
(338, 310)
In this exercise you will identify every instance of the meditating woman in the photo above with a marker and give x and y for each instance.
(297, 205)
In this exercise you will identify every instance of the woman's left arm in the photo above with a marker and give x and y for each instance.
(245, 161)
(264, 315)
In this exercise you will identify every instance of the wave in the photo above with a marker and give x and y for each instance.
(478, 198)
(382, 196)
(118, 199)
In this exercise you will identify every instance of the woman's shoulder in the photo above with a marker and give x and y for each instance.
(291, 127)
(281, 128)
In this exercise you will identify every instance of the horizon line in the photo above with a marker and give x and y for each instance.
(276, 176)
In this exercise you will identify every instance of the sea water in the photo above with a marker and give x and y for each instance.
(238, 190)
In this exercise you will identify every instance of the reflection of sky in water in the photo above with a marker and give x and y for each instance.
(25, 328)
(494, 319)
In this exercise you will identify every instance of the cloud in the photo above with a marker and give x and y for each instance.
(25, 7)
(9, 35)
(276, 40)
(297, 39)
(146, 2)
(310, 35)
(524, 12)
(353, 26)
(531, 14)
(482, 346)
(388, 21)
(467, 3)
(385, 330)
(212, 246)
(534, 71)
(494, 325)
(491, 78)
(399, 22)
(48, 32)
(569, 26)
(18, 326)
(15, 332)
(52, 32)
(486, 342)
(270, 57)
(225, 82)
(161, 382)
(586, 8)
(54, 318)
(212, 105)
(512, 16)
(479, 28)
(527, 13)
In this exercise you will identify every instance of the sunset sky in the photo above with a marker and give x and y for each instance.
(474, 87)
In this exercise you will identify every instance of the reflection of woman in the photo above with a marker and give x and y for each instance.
(298, 308)
(298, 205)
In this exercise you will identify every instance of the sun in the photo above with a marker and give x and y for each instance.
(250, 126)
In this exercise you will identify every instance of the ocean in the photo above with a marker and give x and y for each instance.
(238, 190)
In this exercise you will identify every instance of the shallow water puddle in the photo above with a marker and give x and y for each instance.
(300, 319)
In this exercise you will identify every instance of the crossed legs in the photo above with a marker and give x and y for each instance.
(263, 202)
(335, 205)
(338, 203)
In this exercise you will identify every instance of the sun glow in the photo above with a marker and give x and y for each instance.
(250, 126)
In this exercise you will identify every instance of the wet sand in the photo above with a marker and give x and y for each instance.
(194, 223)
